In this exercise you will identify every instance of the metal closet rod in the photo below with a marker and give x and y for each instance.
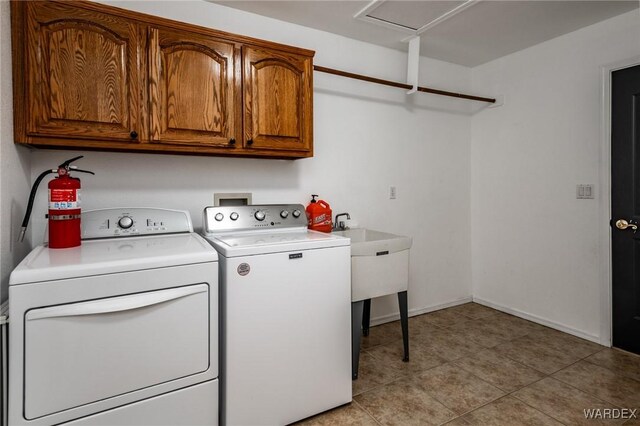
(401, 85)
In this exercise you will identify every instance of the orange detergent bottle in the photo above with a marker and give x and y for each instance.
(319, 215)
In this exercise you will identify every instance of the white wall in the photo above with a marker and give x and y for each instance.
(367, 138)
(508, 197)
(535, 246)
(15, 165)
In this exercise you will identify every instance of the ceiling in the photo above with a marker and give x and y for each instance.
(474, 33)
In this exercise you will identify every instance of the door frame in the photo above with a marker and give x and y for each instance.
(606, 282)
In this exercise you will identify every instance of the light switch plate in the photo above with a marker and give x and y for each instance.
(585, 191)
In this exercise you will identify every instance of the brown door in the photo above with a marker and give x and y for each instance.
(277, 100)
(82, 73)
(192, 89)
(625, 207)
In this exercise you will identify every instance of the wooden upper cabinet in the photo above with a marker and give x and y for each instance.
(278, 102)
(193, 89)
(82, 73)
(92, 76)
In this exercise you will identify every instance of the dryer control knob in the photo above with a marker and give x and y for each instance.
(234, 216)
(296, 213)
(259, 215)
(219, 217)
(284, 214)
(125, 222)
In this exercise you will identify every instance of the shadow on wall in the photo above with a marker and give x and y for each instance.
(371, 92)
(142, 172)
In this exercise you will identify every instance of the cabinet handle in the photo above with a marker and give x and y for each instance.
(134, 134)
(232, 141)
(250, 142)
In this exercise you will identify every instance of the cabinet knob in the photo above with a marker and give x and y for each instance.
(134, 134)
(232, 141)
(250, 142)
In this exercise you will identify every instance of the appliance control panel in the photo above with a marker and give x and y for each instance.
(252, 217)
(133, 221)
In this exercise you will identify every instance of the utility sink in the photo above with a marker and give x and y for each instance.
(379, 263)
(379, 267)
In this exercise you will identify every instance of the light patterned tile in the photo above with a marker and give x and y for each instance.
(563, 342)
(420, 357)
(473, 310)
(507, 411)
(619, 361)
(602, 383)
(449, 345)
(347, 415)
(475, 332)
(404, 402)
(536, 354)
(458, 421)
(421, 329)
(381, 334)
(563, 402)
(457, 389)
(507, 327)
(444, 318)
(372, 373)
(634, 420)
(499, 370)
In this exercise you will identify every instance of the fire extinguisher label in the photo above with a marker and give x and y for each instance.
(64, 199)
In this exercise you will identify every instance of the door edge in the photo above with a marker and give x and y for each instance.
(604, 214)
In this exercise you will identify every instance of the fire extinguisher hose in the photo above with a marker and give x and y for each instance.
(32, 197)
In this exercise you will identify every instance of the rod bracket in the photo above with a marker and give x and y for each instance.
(413, 64)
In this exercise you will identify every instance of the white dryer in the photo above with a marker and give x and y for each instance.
(122, 330)
(285, 314)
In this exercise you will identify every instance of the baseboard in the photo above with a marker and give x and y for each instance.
(539, 320)
(419, 311)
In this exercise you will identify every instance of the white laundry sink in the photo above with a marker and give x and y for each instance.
(379, 263)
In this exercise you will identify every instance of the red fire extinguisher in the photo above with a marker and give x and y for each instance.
(319, 215)
(64, 206)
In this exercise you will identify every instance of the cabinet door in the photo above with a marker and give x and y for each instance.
(192, 89)
(82, 73)
(277, 100)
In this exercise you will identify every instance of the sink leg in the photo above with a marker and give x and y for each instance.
(356, 322)
(404, 321)
(366, 317)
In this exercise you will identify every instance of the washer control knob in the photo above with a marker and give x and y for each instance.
(259, 215)
(125, 222)
(234, 216)
(296, 213)
(219, 217)
(284, 214)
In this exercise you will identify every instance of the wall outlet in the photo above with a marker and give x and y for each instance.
(392, 192)
(585, 191)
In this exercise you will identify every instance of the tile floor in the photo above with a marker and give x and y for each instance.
(472, 365)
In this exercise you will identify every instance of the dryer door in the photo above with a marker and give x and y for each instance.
(79, 353)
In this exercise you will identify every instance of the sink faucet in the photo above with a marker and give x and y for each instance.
(340, 225)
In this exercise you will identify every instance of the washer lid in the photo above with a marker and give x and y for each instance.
(110, 256)
(264, 242)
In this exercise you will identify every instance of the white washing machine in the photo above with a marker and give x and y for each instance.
(285, 314)
(122, 330)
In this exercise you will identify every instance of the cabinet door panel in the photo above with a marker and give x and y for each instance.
(277, 100)
(192, 89)
(82, 73)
